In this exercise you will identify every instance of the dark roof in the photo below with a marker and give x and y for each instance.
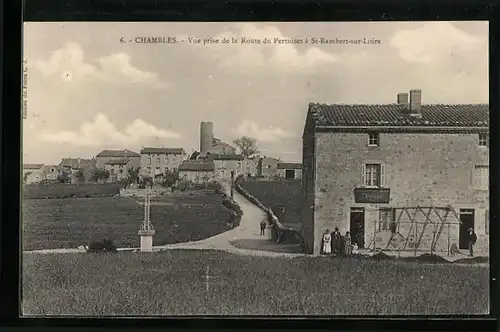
(226, 157)
(118, 153)
(194, 166)
(162, 151)
(32, 166)
(76, 163)
(117, 162)
(473, 115)
(289, 166)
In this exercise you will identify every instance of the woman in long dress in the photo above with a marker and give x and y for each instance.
(336, 241)
(347, 244)
(327, 246)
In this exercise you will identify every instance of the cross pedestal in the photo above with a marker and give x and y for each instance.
(147, 231)
(146, 240)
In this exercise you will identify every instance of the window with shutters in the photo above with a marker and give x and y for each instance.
(481, 177)
(373, 175)
(487, 222)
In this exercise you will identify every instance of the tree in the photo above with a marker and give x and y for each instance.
(206, 177)
(170, 178)
(63, 177)
(80, 177)
(133, 175)
(194, 155)
(99, 174)
(104, 174)
(95, 175)
(25, 177)
(247, 145)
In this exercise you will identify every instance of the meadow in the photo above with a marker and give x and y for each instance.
(172, 283)
(71, 190)
(71, 222)
(277, 195)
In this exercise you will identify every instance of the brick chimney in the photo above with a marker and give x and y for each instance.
(402, 99)
(415, 101)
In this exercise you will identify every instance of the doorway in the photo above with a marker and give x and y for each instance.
(289, 174)
(466, 222)
(357, 226)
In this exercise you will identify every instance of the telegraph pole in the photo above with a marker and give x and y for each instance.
(232, 184)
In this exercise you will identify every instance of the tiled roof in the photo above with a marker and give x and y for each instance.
(289, 166)
(76, 163)
(117, 162)
(473, 115)
(162, 151)
(226, 157)
(194, 166)
(118, 153)
(32, 166)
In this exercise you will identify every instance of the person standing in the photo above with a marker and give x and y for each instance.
(262, 227)
(327, 247)
(336, 241)
(347, 243)
(472, 241)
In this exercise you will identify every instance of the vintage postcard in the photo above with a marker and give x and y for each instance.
(255, 169)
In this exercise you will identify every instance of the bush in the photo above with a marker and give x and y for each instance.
(102, 246)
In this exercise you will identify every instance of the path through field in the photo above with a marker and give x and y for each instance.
(248, 231)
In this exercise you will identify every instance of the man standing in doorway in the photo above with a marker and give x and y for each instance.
(472, 241)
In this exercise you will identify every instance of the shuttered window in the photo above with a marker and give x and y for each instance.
(373, 175)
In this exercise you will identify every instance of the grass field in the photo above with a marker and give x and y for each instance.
(69, 223)
(70, 190)
(278, 194)
(172, 283)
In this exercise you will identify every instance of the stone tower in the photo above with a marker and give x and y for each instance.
(206, 136)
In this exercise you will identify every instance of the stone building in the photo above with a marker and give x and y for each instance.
(156, 161)
(132, 158)
(376, 169)
(73, 166)
(224, 164)
(289, 170)
(267, 167)
(118, 170)
(211, 145)
(47, 174)
(197, 171)
(30, 170)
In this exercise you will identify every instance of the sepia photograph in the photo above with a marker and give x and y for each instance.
(257, 168)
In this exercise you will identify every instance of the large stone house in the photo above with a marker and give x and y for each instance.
(224, 164)
(200, 171)
(416, 172)
(289, 170)
(133, 158)
(156, 161)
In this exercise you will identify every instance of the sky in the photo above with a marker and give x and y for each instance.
(88, 91)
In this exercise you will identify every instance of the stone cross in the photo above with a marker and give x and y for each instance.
(207, 277)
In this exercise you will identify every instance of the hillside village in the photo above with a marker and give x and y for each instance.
(158, 165)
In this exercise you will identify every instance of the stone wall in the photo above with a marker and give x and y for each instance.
(420, 170)
(279, 232)
(137, 192)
